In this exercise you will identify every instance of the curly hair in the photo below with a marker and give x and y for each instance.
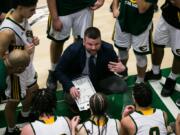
(44, 101)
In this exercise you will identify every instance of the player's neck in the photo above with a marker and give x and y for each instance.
(101, 119)
(45, 116)
(48, 119)
(17, 17)
(145, 110)
(139, 108)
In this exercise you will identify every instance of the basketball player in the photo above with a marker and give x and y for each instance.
(145, 120)
(16, 33)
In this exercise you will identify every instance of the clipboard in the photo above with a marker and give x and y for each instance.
(86, 89)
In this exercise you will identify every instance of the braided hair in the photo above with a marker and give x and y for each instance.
(44, 102)
(98, 106)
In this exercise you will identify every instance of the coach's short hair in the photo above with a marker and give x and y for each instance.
(92, 32)
(98, 104)
(142, 95)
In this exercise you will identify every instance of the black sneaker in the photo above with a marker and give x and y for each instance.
(16, 131)
(151, 76)
(168, 87)
(124, 74)
(51, 81)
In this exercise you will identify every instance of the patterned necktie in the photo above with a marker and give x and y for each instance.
(92, 68)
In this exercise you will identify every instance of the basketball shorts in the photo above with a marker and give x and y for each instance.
(167, 35)
(140, 43)
(78, 22)
(19, 83)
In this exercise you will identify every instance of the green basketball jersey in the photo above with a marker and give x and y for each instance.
(66, 7)
(3, 75)
(131, 21)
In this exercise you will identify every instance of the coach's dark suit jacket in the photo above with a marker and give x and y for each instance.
(72, 63)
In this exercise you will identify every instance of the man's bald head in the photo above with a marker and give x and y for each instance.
(18, 60)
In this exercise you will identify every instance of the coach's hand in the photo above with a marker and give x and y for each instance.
(74, 92)
(117, 67)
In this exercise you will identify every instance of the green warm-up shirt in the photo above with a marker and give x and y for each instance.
(131, 21)
(66, 7)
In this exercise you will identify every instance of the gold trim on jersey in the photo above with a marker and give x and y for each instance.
(148, 111)
(133, 1)
(15, 87)
(102, 120)
(178, 16)
(47, 120)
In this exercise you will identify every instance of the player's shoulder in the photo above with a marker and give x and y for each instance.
(7, 33)
(128, 123)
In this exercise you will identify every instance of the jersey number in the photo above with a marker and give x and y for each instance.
(154, 131)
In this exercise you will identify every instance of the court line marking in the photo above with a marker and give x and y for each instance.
(168, 102)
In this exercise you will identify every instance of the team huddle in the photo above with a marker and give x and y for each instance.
(91, 56)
